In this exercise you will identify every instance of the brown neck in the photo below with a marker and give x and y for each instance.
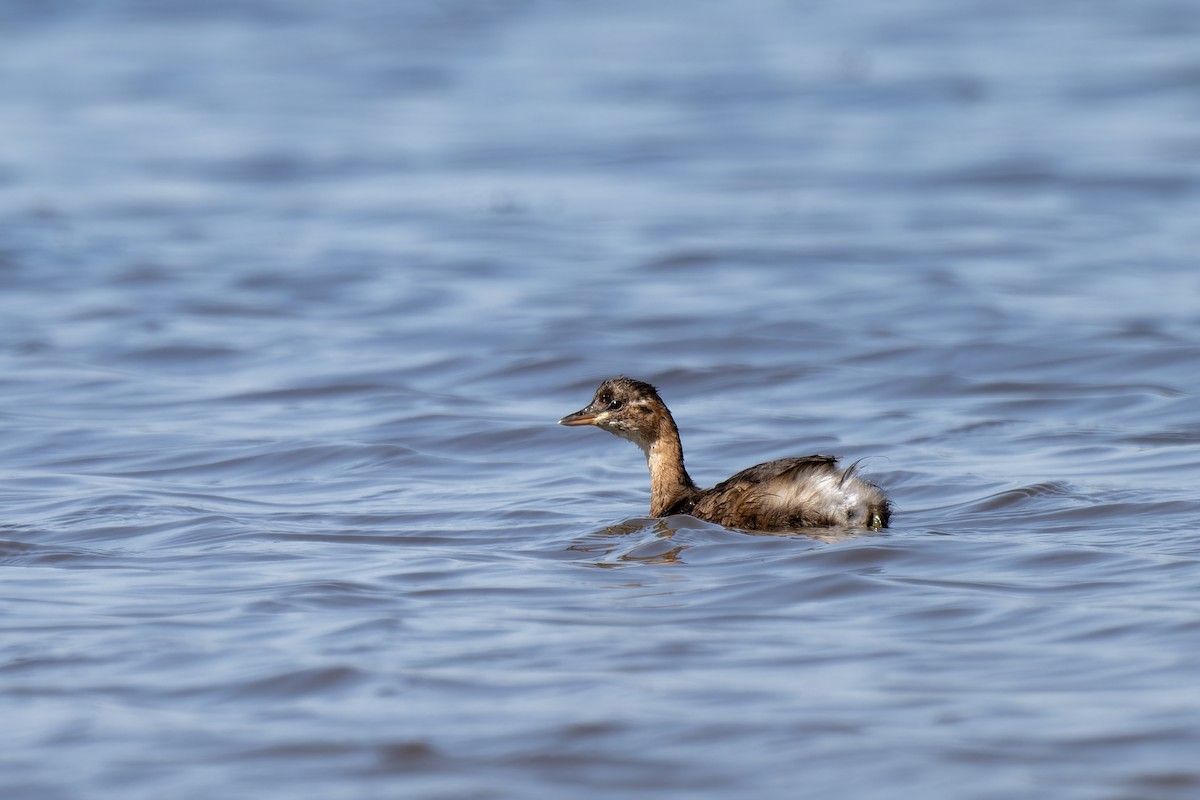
(670, 485)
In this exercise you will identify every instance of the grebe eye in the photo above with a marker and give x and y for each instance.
(615, 405)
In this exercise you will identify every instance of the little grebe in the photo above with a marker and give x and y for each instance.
(784, 495)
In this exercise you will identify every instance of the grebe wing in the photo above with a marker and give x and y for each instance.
(795, 468)
(778, 495)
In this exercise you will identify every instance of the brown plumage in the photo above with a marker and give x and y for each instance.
(784, 495)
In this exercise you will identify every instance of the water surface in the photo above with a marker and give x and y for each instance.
(292, 296)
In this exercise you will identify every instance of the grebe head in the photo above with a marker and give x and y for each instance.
(624, 407)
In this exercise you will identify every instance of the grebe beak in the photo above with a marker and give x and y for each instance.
(584, 416)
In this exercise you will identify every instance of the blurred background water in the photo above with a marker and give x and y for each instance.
(291, 295)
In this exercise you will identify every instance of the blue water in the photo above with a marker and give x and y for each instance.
(292, 294)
